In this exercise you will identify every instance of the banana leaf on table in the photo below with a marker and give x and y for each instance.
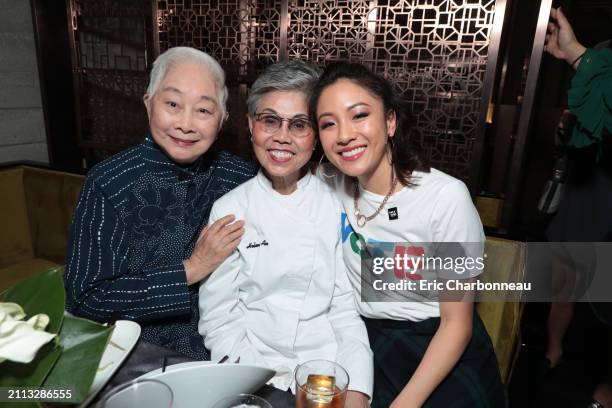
(71, 361)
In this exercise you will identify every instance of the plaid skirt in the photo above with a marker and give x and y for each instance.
(398, 348)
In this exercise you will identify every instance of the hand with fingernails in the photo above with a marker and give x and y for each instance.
(214, 244)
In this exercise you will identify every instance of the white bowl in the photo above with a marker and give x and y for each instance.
(203, 383)
(122, 341)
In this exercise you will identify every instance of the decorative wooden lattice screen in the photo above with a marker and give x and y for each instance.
(112, 51)
(434, 50)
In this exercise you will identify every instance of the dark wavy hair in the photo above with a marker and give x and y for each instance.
(406, 154)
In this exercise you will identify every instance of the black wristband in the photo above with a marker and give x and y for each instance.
(578, 59)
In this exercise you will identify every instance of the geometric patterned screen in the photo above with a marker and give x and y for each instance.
(235, 32)
(110, 39)
(435, 51)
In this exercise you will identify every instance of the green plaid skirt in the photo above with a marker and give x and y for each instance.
(398, 348)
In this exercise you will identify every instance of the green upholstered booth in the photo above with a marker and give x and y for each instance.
(505, 262)
(35, 213)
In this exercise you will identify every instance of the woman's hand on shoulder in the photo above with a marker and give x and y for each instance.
(214, 245)
(356, 399)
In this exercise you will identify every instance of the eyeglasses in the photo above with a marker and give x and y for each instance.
(298, 127)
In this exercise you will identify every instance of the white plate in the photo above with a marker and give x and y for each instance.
(203, 383)
(124, 338)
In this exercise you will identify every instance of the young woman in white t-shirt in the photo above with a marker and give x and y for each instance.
(427, 352)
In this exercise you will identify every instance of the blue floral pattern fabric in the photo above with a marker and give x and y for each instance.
(138, 217)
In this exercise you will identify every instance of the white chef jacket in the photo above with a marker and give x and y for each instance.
(283, 296)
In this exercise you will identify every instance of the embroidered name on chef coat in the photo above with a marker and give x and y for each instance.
(257, 244)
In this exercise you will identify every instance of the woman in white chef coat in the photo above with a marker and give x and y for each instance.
(283, 296)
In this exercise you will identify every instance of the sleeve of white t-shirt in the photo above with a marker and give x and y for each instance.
(354, 353)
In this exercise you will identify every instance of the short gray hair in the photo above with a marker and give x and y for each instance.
(294, 75)
(178, 55)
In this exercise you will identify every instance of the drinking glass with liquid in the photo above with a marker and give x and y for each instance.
(321, 384)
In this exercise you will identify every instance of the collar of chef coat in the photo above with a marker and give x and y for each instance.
(291, 199)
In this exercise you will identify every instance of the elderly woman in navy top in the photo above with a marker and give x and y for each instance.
(137, 240)
(283, 296)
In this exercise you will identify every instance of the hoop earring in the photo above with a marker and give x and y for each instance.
(390, 149)
(322, 172)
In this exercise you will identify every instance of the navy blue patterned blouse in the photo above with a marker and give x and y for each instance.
(138, 217)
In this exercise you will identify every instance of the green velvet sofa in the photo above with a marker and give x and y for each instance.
(35, 213)
(38, 204)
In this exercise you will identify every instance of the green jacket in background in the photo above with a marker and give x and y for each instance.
(590, 98)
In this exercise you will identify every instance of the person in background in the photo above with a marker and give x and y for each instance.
(584, 213)
(283, 297)
(137, 245)
(426, 352)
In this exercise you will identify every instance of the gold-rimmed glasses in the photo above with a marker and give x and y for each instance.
(272, 123)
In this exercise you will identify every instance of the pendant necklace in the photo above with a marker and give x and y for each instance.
(362, 219)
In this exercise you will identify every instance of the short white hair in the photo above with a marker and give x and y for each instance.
(178, 55)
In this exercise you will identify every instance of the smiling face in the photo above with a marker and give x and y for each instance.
(354, 129)
(185, 114)
(281, 154)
